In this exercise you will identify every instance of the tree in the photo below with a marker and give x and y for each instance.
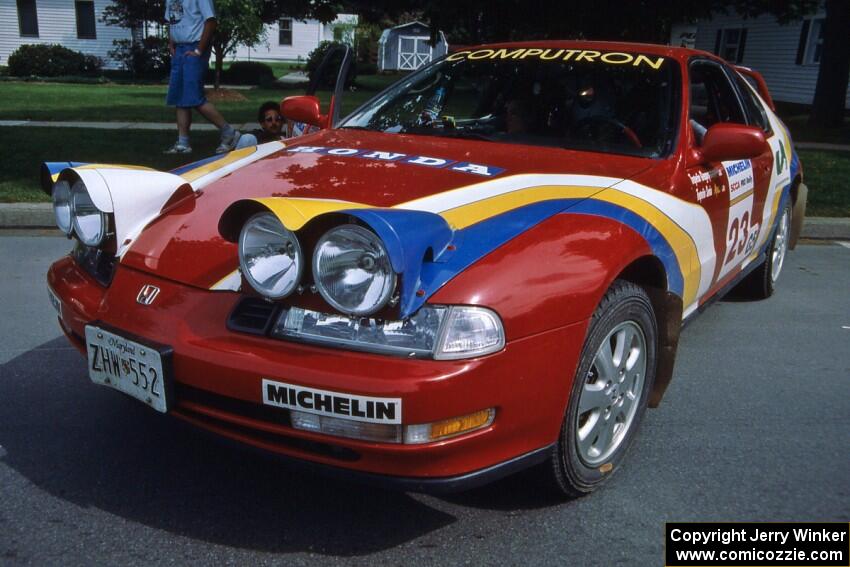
(239, 22)
(834, 74)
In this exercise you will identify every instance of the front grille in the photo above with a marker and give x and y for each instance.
(231, 405)
(252, 315)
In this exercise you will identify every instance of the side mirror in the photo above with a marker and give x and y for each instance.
(725, 142)
(304, 109)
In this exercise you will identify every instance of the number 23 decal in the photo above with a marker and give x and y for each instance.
(741, 234)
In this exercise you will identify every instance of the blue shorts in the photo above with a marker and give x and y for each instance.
(186, 84)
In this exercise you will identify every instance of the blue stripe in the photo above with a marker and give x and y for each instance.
(478, 240)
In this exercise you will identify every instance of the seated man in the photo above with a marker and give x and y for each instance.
(270, 130)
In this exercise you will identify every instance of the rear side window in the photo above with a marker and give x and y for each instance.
(755, 111)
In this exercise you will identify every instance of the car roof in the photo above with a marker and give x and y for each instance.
(647, 48)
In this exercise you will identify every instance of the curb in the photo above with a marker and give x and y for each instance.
(40, 215)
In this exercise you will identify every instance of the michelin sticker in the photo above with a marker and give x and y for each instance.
(333, 404)
(740, 175)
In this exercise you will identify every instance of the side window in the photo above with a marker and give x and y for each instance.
(755, 111)
(713, 98)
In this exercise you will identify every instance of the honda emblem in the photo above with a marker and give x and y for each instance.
(147, 294)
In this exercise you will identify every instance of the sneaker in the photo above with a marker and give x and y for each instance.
(228, 142)
(179, 148)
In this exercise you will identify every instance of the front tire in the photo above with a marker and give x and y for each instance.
(610, 391)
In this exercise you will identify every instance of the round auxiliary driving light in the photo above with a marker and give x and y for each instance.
(89, 221)
(62, 206)
(352, 270)
(270, 256)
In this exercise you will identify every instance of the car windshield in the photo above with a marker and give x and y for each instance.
(605, 101)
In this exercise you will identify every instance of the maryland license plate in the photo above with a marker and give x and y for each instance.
(127, 366)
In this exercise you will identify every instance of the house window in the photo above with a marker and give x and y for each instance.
(27, 18)
(85, 19)
(284, 36)
(814, 45)
(730, 44)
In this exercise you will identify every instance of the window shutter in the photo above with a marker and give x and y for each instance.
(742, 43)
(717, 42)
(804, 37)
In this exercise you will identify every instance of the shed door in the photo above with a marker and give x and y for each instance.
(413, 52)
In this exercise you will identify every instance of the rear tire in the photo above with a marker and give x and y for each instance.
(761, 283)
(610, 391)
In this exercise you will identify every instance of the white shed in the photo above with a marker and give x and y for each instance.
(407, 47)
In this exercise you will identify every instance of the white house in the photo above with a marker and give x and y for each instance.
(75, 24)
(289, 39)
(788, 56)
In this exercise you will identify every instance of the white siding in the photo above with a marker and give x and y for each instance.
(57, 23)
(771, 49)
(306, 36)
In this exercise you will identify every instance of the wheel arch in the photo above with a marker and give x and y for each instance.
(648, 272)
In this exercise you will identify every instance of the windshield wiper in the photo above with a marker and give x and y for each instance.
(464, 135)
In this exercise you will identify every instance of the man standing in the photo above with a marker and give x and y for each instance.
(191, 27)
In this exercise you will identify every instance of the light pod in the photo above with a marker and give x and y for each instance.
(270, 256)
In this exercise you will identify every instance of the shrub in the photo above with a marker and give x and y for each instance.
(314, 60)
(149, 58)
(52, 61)
(248, 73)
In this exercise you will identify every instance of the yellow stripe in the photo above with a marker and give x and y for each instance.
(114, 166)
(740, 198)
(680, 241)
(207, 168)
(472, 213)
(295, 213)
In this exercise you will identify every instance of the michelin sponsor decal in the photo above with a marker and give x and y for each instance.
(422, 161)
(740, 175)
(576, 55)
(333, 404)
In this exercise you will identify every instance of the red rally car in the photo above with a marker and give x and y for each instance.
(485, 267)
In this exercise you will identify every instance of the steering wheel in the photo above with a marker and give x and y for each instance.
(586, 124)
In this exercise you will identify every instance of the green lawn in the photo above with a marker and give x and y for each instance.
(827, 174)
(142, 103)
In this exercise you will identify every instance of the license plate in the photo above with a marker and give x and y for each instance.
(127, 366)
(54, 300)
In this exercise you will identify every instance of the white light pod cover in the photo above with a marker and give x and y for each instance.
(89, 221)
(352, 270)
(270, 256)
(62, 206)
(470, 331)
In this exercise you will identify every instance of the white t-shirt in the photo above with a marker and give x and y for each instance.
(186, 19)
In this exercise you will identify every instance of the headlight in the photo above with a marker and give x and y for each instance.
(435, 331)
(270, 256)
(62, 206)
(352, 270)
(89, 221)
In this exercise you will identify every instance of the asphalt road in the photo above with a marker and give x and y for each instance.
(755, 426)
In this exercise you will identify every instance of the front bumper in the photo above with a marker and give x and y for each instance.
(217, 377)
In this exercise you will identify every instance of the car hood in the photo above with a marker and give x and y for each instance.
(374, 169)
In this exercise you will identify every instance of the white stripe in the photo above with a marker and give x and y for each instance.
(844, 244)
(471, 193)
(690, 217)
(262, 151)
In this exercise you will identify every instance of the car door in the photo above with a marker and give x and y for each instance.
(732, 192)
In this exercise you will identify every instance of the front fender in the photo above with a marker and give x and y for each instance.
(549, 276)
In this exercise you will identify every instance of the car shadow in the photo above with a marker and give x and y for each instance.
(95, 447)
